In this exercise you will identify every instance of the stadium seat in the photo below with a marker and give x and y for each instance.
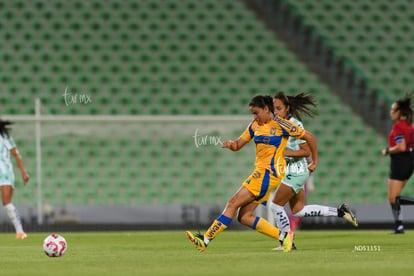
(174, 58)
(359, 36)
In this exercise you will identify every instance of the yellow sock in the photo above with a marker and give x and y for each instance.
(218, 226)
(263, 226)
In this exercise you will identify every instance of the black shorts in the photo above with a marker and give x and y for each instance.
(402, 166)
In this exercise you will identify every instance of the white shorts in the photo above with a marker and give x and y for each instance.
(295, 178)
(7, 178)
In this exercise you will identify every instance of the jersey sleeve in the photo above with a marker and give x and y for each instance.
(290, 128)
(398, 132)
(9, 142)
(248, 133)
(299, 141)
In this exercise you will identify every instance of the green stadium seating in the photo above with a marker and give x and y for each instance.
(372, 35)
(183, 57)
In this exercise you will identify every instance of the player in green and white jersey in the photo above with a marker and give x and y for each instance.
(297, 172)
(7, 147)
(296, 166)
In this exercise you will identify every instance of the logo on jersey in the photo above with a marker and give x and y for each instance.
(273, 131)
(262, 139)
(256, 174)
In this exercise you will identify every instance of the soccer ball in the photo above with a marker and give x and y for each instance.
(55, 245)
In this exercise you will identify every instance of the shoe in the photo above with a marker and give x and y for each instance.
(346, 214)
(399, 229)
(280, 247)
(288, 242)
(21, 236)
(197, 240)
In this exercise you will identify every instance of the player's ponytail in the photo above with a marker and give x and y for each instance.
(262, 102)
(4, 130)
(404, 106)
(298, 104)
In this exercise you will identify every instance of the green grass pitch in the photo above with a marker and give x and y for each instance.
(354, 252)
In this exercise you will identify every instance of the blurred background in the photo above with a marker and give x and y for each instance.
(134, 98)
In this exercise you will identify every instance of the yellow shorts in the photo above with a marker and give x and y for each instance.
(261, 183)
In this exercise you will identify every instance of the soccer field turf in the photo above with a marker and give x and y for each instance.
(232, 253)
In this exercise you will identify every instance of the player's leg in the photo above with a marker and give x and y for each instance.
(283, 194)
(394, 190)
(406, 200)
(292, 187)
(295, 203)
(242, 197)
(7, 194)
(261, 184)
(314, 210)
(261, 225)
(294, 221)
(400, 171)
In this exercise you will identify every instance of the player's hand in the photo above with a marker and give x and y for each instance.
(227, 144)
(312, 167)
(25, 177)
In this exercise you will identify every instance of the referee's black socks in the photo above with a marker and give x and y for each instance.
(404, 200)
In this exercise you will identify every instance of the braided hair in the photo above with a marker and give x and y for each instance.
(298, 104)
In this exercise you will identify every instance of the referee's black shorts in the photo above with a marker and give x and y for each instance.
(402, 165)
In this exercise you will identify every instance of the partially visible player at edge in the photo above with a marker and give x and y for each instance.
(401, 151)
(8, 146)
(270, 135)
(292, 187)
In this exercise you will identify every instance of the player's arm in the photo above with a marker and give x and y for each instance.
(234, 145)
(311, 141)
(15, 152)
(303, 151)
(400, 146)
(295, 131)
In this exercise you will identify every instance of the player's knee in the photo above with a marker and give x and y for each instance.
(397, 200)
(392, 199)
(244, 218)
(240, 218)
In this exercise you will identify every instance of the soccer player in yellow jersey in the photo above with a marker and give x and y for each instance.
(270, 135)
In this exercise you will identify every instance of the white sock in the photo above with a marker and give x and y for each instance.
(281, 219)
(14, 217)
(317, 211)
